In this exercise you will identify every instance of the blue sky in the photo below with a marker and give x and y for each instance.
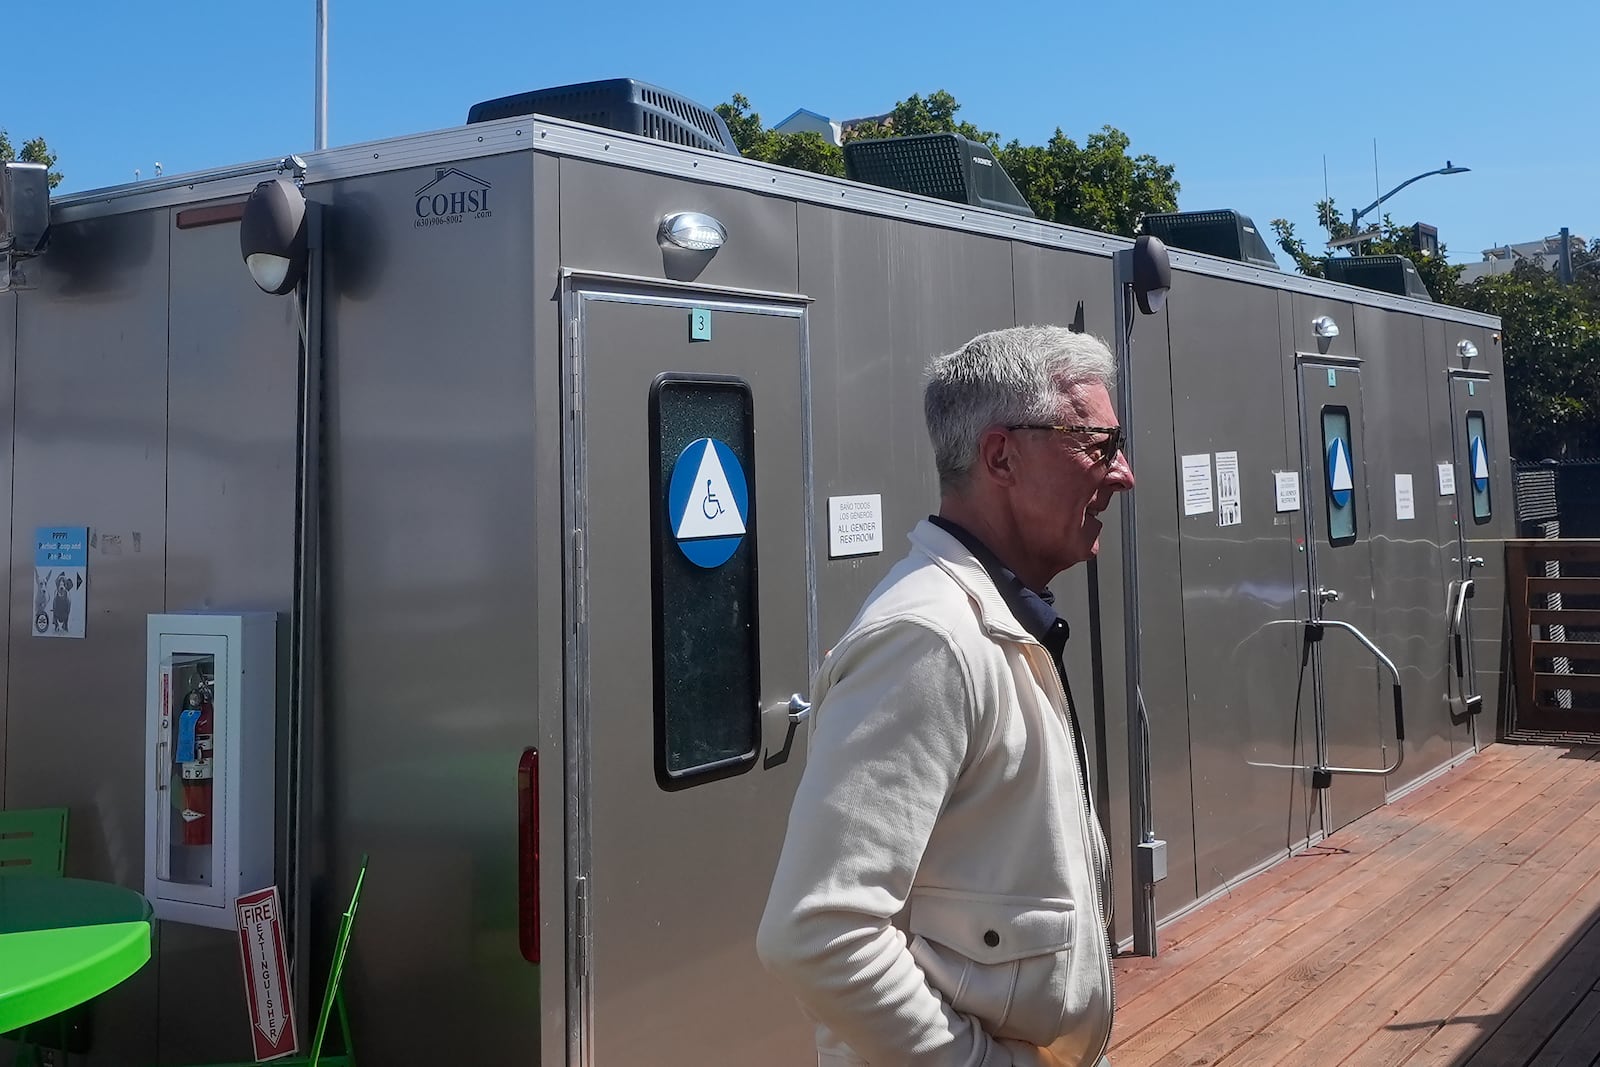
(1245, 99)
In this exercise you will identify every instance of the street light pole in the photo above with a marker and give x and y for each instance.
(1448, 168)
(320, 133)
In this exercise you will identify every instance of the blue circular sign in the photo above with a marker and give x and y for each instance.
(708, 503)
(1341, 480)
(1480, 465)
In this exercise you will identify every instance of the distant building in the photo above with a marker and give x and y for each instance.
(804, 121)
(830, 130)
(1544, 253)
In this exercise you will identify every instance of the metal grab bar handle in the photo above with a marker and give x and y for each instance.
(1399, 704)
(1458, 602)
(1462, 597)
(1394, 672)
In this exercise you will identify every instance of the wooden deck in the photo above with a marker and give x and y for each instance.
(1458, 927)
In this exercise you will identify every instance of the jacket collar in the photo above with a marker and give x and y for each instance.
(952, 557)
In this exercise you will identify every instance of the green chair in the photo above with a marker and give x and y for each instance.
(332, 1000)
(33, 842)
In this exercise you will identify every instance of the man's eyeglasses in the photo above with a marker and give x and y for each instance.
(1105, 451)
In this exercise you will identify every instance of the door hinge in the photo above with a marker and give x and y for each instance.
(577, 374)
(581, 920)
(580, 563)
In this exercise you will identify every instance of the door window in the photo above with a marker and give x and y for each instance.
(1340, 461)
(707, 671)
(1478, 467)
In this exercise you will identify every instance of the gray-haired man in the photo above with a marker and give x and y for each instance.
(946, 784)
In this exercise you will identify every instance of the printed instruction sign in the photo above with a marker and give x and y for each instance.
(855, 525)
(1229, 512)
(266, 973)
(1197, 484)
(1288, 486)
(1447, 479)
(60, 580)
(1405, 504)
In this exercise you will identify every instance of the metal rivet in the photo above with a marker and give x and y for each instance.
(991, 938)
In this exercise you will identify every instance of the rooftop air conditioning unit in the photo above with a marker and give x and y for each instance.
(1386, 274)
(621, 104)
(1224, 233)
(946, 166)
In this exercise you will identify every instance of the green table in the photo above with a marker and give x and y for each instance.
(64, 941)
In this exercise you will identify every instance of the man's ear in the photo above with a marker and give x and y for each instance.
(997, 457)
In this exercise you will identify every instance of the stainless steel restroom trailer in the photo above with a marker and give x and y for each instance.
(457, 460)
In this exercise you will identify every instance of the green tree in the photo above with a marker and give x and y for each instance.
(801, 151)
(1097, 186)
(1437, 273)
(914, 115)
(34, 151)
(1551, 341)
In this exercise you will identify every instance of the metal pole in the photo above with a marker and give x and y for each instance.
(1566, 256)
(321, 140)
(302, 801)
(1144, 893)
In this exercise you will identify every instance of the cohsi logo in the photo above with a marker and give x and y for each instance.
(453, 197)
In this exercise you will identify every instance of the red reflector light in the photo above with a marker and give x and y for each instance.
(528, 854)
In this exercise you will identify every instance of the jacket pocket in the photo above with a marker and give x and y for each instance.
(1003, 959)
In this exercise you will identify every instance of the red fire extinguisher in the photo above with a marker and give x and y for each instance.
(196, 771)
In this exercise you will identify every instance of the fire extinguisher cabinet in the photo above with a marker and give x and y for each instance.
(210, 761)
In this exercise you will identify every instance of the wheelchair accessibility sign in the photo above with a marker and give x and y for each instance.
(708, 502)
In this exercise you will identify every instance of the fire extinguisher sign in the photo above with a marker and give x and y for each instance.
(266, 974)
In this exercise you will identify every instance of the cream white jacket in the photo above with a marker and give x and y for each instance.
(938, 899)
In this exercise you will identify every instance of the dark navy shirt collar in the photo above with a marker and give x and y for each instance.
(1034, 609)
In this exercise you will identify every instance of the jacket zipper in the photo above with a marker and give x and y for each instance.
(1096, 859)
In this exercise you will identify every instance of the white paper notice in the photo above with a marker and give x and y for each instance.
(1197, 484)
(1405, 505)
(1228, 510)
(1447, 479)
(1288, 490)
(855, 525)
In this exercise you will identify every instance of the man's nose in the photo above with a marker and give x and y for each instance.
(1121, 474)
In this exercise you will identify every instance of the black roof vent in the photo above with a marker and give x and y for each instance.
(1386, 274)
(618, 104)
(1225, 234)
(947, 166)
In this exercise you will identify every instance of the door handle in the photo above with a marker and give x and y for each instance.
(1471, 561)
(1326, 595)
(799, 709)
